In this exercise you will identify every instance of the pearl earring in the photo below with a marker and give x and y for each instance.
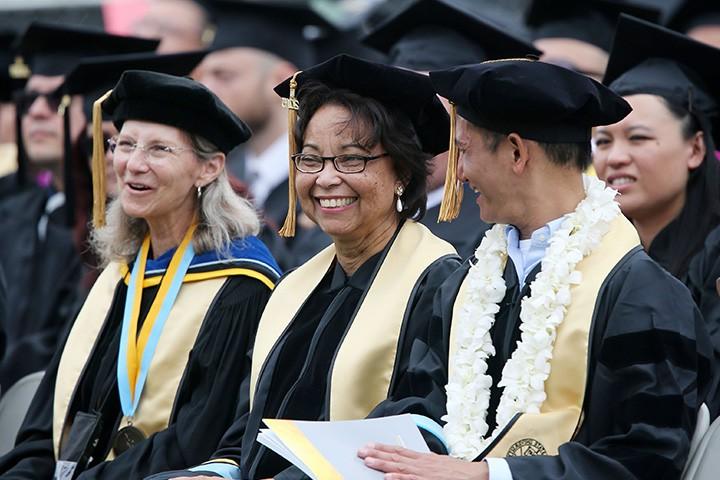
(199, 192)
(399, 190)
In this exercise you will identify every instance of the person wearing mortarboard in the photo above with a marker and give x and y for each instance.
(577, 34)
(561, 350)
(90, 79)
(148, 376)
(337, 332)
(37, 248)
(661, 157)
(434, 34)
(256, 46)
(699, 19)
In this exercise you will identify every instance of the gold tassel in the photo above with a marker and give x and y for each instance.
(291, 103)
(98, 163)
(453, 192)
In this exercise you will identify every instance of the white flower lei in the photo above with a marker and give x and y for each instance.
(524, 374)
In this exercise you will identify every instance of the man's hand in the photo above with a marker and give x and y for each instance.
(402, 464)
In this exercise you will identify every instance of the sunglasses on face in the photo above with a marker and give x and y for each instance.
(25, 99)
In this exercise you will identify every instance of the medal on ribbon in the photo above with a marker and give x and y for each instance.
(136, 350)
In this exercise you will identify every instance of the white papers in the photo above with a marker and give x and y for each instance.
(337, 444)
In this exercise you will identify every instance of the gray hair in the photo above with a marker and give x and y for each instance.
(222, 216)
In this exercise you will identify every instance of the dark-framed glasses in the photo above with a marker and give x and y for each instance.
(348, 163)
(24, 99)
(156, 151)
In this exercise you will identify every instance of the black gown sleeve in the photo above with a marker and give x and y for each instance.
(3, 315)
(647, 378)
(702, 280)
(33, 455)
(208, 398)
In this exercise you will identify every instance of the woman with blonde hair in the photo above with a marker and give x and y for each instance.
(157, 355)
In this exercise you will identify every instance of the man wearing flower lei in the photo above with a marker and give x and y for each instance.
(561, 350)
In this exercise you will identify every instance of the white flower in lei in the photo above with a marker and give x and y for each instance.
(524, 374)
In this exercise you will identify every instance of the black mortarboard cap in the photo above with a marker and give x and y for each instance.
(590, 21)
(435, 34)
(274, 26)
(176, 101)
(53, 49)
(648, 58)
(409, 92)
(402, 90)
(94, 76)
(537, 100)
(695, 13)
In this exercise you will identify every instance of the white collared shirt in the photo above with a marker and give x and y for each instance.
(526, 254)
(435, 197)
(267, 170)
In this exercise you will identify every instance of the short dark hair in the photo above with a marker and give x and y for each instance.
(563, 154)
(373, 123)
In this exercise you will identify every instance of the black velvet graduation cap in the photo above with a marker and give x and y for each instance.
(176, 101)
(695, 13)
(53, 49)
(155, 97)
(409, 92)
(590, 21)
(537, 100)
(436, 34)
(648, 58)
(274, 26)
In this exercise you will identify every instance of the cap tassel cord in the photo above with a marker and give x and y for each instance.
(453, 191)
(98, 163)
(291, 103)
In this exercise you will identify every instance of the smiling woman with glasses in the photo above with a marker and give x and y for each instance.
(337, 332)
(156, 356)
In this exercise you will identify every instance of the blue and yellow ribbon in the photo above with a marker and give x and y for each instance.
(136, 351)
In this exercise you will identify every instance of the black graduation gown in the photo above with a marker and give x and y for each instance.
(205, 405)
(3, 314)
(650, 367)
(702, 280)
(466, 231)
(42, 282)
(294, 381)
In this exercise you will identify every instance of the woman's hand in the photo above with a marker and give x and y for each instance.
(402, 464)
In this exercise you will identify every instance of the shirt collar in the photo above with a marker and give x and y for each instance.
(268, 169)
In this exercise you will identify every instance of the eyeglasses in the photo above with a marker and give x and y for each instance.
(25, 99)
(352, 163)
(156, 151)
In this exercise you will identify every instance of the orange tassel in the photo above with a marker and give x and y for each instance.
(98, 163)
(453, 192)
(291, 103)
